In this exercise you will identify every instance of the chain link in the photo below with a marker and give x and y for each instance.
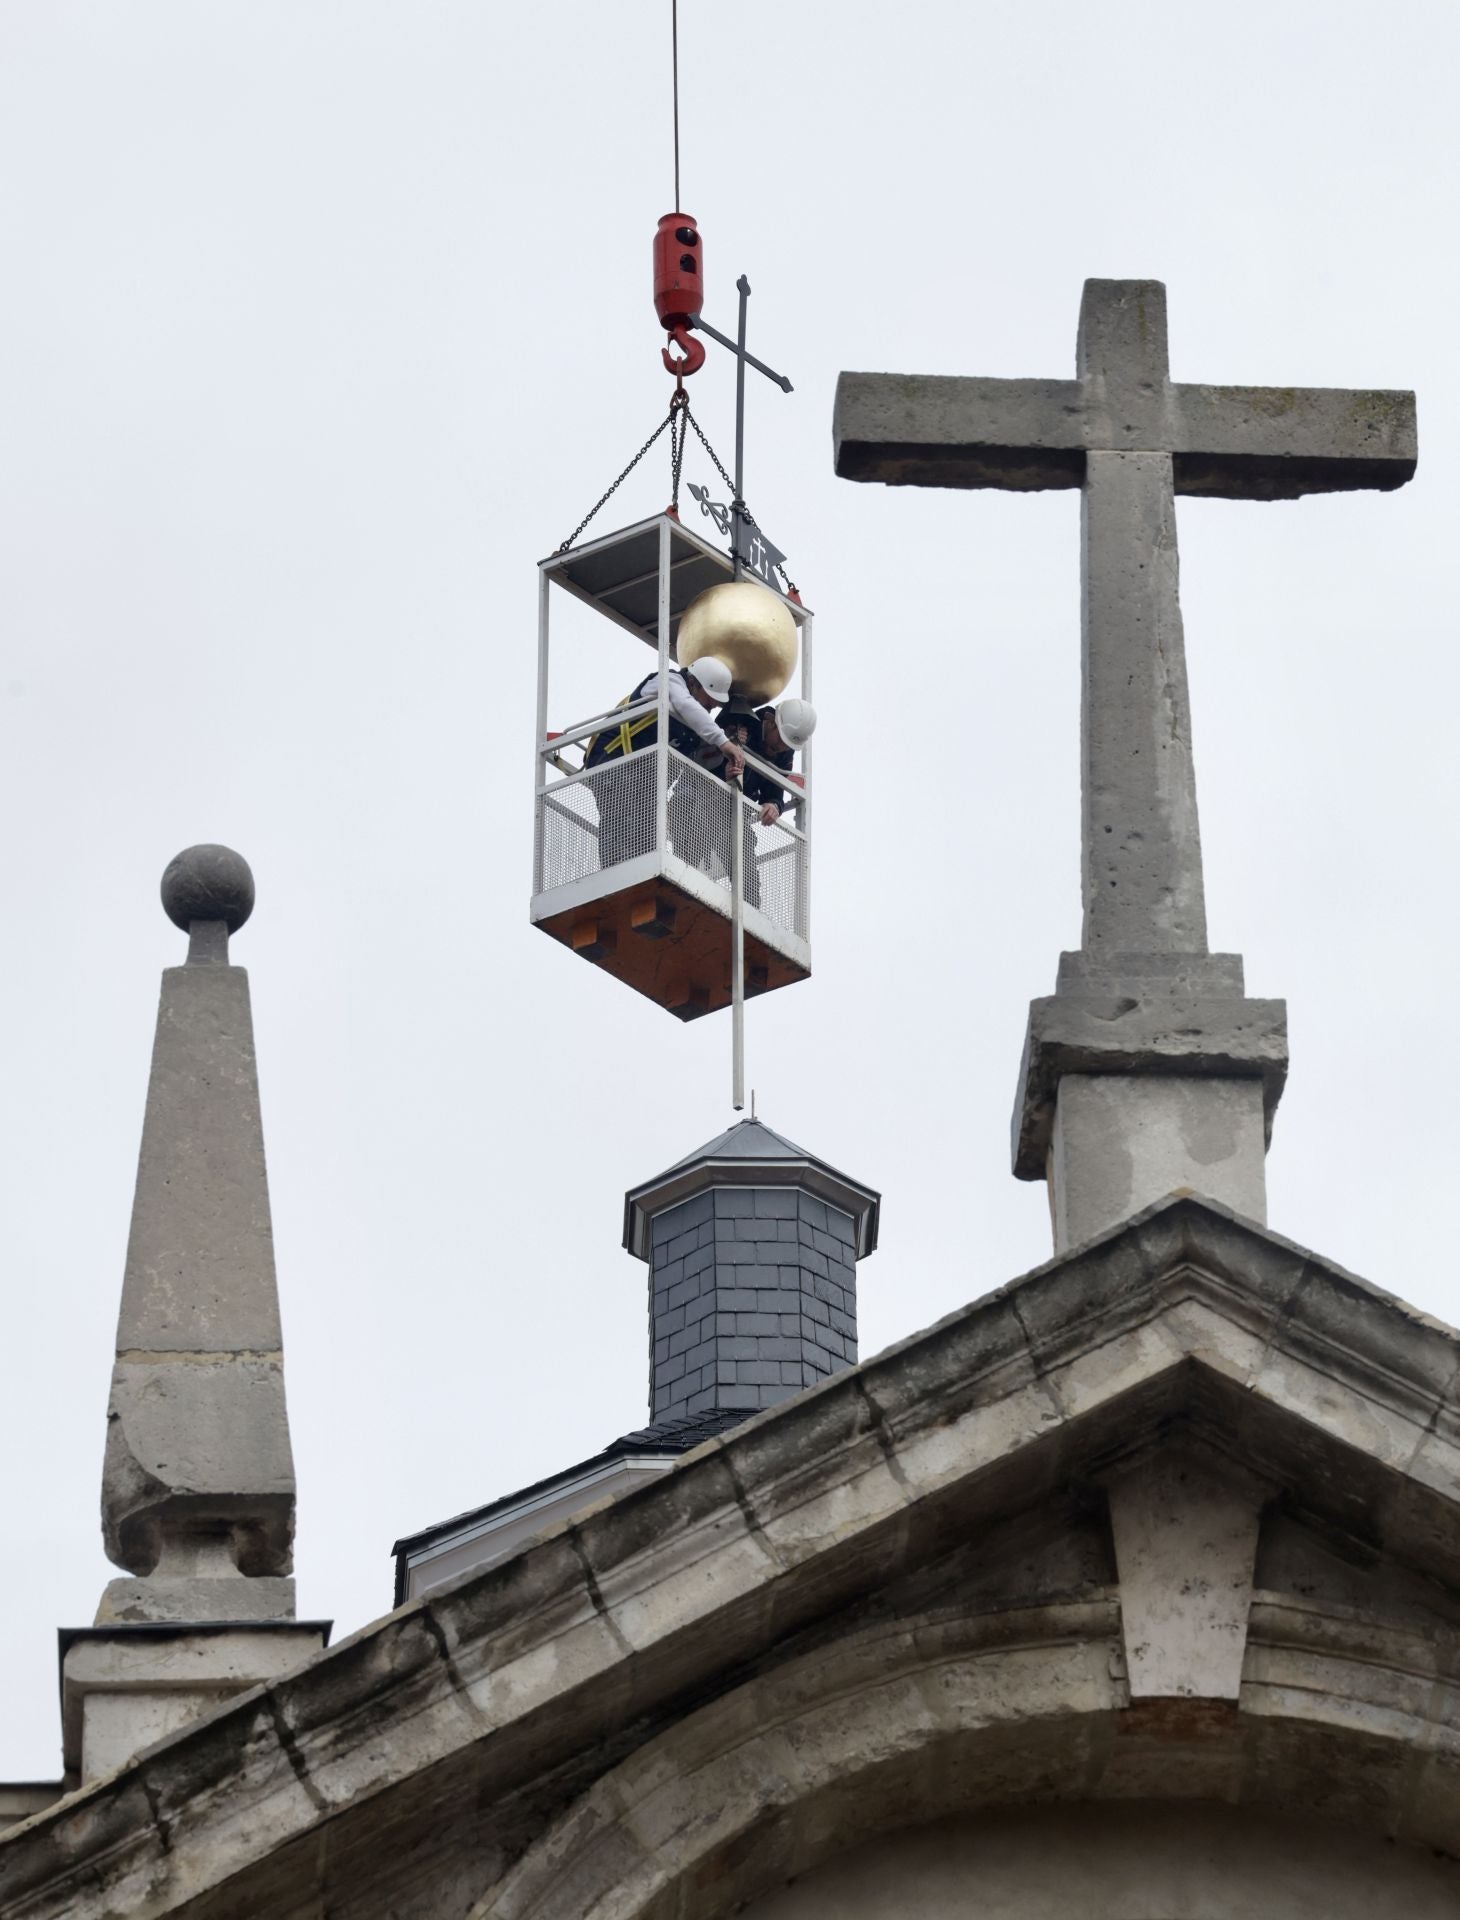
(611, 491)
(678, 405)
(677, 420)
(719, 465)
(737, 505)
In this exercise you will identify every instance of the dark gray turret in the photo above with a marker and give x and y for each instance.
(752, 1245)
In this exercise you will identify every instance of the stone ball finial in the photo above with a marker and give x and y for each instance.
(207, 883)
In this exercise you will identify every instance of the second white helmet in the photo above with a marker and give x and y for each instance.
(712, 674)
(796, 721)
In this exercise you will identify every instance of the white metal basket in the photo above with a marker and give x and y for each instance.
(635, 852)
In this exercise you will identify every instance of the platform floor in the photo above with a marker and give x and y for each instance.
(670, 947)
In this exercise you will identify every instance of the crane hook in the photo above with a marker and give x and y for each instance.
(693, 351)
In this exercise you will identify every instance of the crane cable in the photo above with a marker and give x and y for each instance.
(674, 59)
(679, 418)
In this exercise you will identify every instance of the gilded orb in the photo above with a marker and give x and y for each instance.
(748, 627)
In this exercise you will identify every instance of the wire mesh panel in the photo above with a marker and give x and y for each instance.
(702, 810)
(592, 822)
(775, 877)
(701, 817)
(595, 821)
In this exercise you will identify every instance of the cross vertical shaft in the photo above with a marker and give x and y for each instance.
(1140, 842)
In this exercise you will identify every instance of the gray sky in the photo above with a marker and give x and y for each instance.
(326, 319)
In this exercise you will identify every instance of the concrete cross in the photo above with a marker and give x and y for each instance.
(1130, 438)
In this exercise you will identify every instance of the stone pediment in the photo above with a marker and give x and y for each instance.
(1176, 1516)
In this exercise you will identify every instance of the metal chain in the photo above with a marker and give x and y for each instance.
(678, 417)
(678, 405)
(745, 514)
(719, 465)
(608, 495)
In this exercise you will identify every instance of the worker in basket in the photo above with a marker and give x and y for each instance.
(626, 807)
(784, 730)
(773, 734)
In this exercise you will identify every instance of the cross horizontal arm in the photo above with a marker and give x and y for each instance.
(1275, 443)
(934, 430)
(1249, 443)
(699, 321)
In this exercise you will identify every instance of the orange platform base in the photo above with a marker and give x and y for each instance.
(670, 947)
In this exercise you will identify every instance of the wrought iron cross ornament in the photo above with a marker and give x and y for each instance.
(749, 548)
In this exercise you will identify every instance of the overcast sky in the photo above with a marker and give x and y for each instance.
(323, 321)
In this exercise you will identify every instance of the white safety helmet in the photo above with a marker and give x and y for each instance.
(712, 674)
(796, 721)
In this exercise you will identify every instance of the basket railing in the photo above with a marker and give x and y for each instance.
(591, 820)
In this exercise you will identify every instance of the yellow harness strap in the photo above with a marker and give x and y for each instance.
(622, 741)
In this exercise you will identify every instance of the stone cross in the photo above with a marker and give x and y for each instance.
(1130, 438)
(1148, 1069)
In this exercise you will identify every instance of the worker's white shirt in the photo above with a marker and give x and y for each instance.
(685, 708)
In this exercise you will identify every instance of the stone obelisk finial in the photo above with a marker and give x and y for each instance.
(198, 1484)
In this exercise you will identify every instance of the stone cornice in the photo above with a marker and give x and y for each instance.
(512, 1675)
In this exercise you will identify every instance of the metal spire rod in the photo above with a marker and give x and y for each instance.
(737, 847)
(739, 519)
(737, 949)
(737, 505)
(737, 557)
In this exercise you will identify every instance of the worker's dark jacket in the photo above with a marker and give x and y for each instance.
(753, 784)
(614, 743)
(762, 791)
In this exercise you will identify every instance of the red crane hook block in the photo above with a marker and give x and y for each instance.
(679, 278)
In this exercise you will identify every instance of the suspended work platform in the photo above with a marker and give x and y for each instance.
(632, 857)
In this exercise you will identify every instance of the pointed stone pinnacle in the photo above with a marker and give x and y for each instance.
(198, 1482)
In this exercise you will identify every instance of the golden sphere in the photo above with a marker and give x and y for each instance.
(748, 627)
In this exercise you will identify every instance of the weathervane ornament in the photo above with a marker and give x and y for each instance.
(756, 554)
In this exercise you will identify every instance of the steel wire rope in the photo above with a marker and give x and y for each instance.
(674, 61)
